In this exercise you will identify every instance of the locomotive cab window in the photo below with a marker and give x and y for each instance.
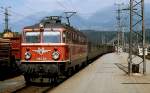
(51, 37)
(32, 37)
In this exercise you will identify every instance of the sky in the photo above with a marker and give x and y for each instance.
(22, 8)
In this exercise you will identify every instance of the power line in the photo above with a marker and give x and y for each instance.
(82, 22)
(22, 15)
(19, 14)
(61, 5)
(27, 5)
(70, 3)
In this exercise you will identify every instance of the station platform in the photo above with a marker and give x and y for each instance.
(105, 76)
(10, 85)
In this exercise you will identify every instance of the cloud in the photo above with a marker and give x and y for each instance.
(86, 7)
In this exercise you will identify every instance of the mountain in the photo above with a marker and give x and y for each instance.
(147, 17)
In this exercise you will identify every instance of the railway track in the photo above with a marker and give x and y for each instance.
(35, 87)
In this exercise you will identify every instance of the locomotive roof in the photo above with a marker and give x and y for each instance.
(58, 25)
(37, 26)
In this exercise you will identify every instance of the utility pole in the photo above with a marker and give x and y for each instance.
(68, 15)
(6, 19)
(136, 12)
(119, 27)
(6, 29)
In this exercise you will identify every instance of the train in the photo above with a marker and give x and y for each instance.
(50, 49)
(10, 44)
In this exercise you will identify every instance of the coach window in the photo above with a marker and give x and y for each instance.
(67, 37)
(51, 37)
(32, 37)
(64, 37)
(76, 37)
(71, 37)
(80, 39)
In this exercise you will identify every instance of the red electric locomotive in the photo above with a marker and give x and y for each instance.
(51, 48)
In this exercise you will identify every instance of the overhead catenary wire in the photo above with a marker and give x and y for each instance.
(27, 6)
(13, 12)
(82, 22)
(1, 14)
(61, 5)
(21, 15)
(78, 14)
(59, 2)
(70, 4)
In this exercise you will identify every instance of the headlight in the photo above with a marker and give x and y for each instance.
(27, 55)
(55, 55)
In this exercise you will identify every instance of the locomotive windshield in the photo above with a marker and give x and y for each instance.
(32, 37)
(51, 37)
(45, 37)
